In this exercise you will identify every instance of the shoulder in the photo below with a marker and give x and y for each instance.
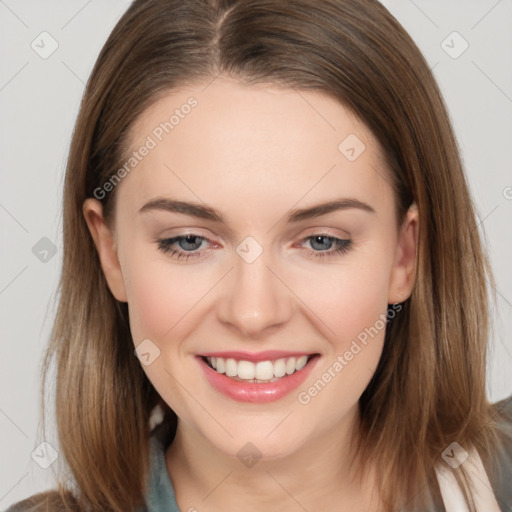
(502, 412)
(49, 501)
(501, 466)
(505, 407)
(161, 491)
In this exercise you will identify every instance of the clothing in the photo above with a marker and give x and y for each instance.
(161, 498)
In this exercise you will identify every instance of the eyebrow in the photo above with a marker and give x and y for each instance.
(206, 212)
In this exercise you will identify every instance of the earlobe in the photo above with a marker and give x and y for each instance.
(403, 274)
(104, 241)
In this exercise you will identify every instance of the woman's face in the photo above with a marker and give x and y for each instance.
(219, 247)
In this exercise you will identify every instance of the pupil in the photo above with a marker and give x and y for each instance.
(318, 239)
(189, 240)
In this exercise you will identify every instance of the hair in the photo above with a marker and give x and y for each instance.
(429, 388)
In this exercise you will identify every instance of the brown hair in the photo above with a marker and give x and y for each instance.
(429, 387)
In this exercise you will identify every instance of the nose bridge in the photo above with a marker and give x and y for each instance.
(256, 299)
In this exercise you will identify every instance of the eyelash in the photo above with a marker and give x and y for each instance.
(165, 245)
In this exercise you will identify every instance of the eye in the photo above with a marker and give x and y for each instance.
(189, 245)
(336, 245)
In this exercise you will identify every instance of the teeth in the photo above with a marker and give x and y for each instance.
(280, 367)
(262, 371)
(246, 370)
(231, 368)
(301, 362)
(219, 363)
(290, 365)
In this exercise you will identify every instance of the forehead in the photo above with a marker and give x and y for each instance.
(257, 141)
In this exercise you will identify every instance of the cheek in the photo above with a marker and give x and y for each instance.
(361, 308)
(161, 297)
(352, 304)
(348, 299)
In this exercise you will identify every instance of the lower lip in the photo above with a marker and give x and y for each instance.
(253, 391)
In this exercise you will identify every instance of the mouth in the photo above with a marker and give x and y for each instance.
(260, 372)
(268, 377)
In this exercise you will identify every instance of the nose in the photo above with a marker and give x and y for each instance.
(255, 300)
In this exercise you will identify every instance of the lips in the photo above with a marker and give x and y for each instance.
(256, 356)
(261, 377)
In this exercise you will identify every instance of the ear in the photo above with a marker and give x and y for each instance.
(105, 245)
(403, 273)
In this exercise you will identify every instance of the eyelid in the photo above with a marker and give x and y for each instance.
(228, 238)
(322, 230)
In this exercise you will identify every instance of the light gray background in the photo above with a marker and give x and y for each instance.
(39, 100)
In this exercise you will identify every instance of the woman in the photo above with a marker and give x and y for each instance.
(268, 238)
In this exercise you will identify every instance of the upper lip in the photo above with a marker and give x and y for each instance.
(266, 355)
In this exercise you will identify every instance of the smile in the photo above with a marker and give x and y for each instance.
(262, 371)
(267, 377)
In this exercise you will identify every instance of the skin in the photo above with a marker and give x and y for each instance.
(254, 153)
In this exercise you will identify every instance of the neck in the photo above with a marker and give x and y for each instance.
(207, 479)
